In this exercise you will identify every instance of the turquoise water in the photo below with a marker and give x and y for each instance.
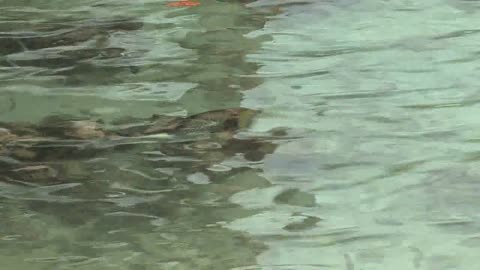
(364, 156)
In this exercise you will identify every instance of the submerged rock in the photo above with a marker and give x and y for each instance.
(66, 127)
(13, 134)
(306, 223)
(155, 125)
(17, 130)
(296, 197)
(6, 135)
(219, 120)
(57, 137)
(63, 138)
(81, 54)
(69, 127)
(216, 121)
(35, 173)
(23, 153)
(53, 172)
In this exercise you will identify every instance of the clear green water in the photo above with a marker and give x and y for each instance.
(378, 170)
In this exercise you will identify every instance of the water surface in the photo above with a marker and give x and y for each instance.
(375, 165)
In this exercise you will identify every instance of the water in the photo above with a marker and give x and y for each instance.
(364, 156)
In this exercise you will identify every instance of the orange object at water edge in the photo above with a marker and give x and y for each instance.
(183, 3)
